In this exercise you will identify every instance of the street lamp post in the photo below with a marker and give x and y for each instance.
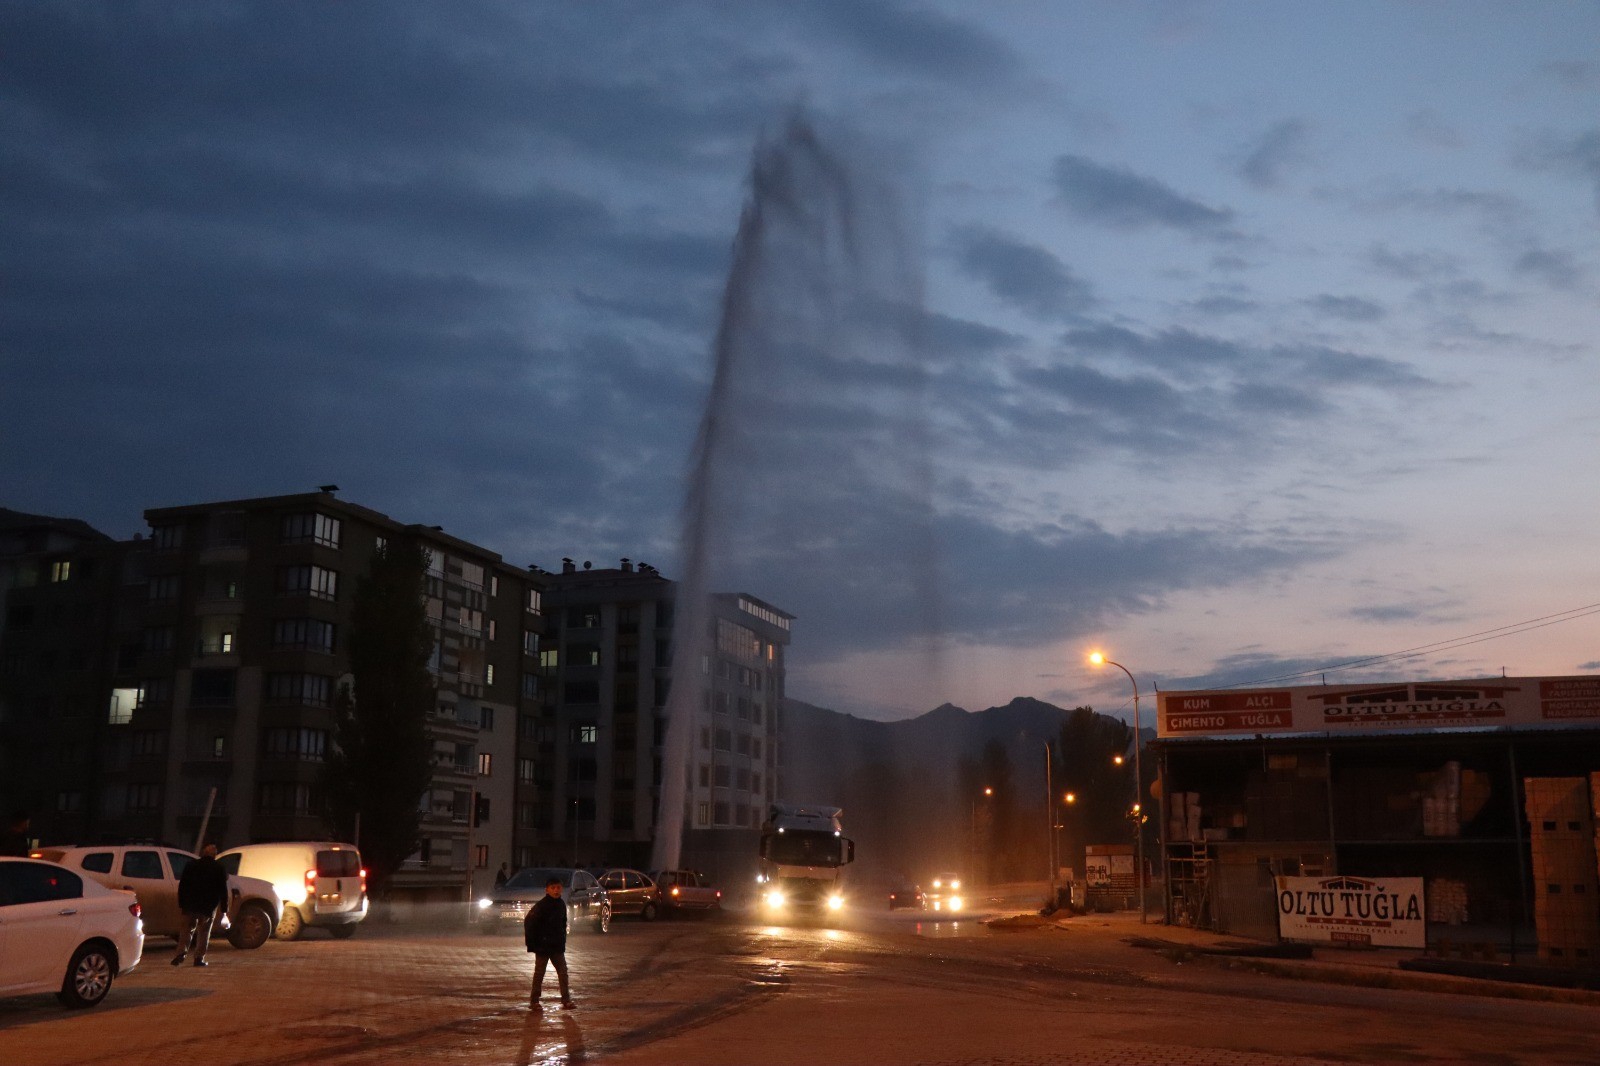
(973, 873)
(1138, 780)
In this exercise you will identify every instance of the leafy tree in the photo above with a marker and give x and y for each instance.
(380, 764)
(1089, 746)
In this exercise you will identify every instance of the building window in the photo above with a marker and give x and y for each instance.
(311, 528)
(144, 797)
(60, 571)
(705, 739)
(309, 745)
(530, 642)
(549, 658)
(149, 742)
(163, 589)
(69, 802)
(488, 674)
(486, 719)
(525, 771)
(702, 814)
(724, 740)
(485, 764)
(219, 747)
(166, 538)
(211, 688)
(530, 686)
(534, 603)
(719, 814)
(313, 581)
(311, 634)
(585, 734)
(480, 856)
(722, 777)
(311, 690)
(291, 797)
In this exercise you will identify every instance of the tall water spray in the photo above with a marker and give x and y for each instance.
(812, 450)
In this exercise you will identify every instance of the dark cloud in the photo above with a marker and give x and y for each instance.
(1281, 148)
(1024, 275)
(1225, 305)
(1555, 268)
(1348, 308)
(914, 39)
(1118, 197)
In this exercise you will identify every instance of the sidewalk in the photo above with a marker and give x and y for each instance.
(1373, 968)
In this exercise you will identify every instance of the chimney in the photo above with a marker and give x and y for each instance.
(627, 566)
(566, 566)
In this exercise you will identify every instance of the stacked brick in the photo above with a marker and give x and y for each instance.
(1561, 831)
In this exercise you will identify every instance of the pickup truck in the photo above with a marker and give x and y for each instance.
(686, 892)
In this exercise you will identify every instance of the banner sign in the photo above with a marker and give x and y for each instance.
(1386, 913)
(1411, 706)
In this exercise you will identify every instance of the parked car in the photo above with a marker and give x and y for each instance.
(906, 894)
(687, 892)
(152, 873)
(64, 933)
(944, 893)
(322, 883)
(587, 902)
(632, 892)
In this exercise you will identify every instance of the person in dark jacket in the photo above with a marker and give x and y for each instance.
(14, 841)
(203, 897)
(544, 930)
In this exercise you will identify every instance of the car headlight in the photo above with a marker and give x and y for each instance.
(955, 903)
(485, 904)
(774, 898)
(835, 902)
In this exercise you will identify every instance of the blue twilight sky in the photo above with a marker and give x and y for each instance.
(1261, 336)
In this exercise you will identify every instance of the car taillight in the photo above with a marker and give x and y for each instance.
(311, 883)
(363, 879)
(719, 893)
(674, 890)
(133, 909)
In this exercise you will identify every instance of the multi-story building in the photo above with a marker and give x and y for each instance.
(234, 632)
(57, 578)
(185, 681)
(597, 758)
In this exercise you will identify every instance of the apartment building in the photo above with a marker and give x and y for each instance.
(608, 668)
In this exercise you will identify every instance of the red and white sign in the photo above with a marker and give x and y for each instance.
(1409, 706)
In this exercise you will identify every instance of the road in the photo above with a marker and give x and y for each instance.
(885, 989)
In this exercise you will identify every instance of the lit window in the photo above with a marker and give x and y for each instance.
(61, 570)
(485, 764)
(488, 674)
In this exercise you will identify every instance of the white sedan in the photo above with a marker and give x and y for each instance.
(61, 932)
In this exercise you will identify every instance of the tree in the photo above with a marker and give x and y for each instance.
(381, 762)
(1090, 746)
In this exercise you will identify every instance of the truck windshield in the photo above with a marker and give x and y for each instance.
(804, 847)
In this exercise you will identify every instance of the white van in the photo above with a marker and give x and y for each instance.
(321, 883)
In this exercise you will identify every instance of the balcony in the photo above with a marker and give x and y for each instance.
(224, 550)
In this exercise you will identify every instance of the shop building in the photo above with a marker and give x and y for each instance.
(1477, 794)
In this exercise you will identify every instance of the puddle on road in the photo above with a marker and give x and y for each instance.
(948, 929)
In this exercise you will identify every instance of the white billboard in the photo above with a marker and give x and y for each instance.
(1384, 913)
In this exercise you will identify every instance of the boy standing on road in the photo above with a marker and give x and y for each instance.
(544, 931)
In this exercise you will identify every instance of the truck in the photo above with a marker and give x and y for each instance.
(802, 859)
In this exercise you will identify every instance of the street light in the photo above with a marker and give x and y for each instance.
(1138, 778)
(987, 791)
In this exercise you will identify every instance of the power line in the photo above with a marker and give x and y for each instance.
(1439, 645)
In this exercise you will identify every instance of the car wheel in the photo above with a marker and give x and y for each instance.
(342, 932)
(252, 927)
(89, 976)
(648, 912)
(291, 925)
(602, 921)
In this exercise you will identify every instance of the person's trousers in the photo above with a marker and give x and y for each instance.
(198, 936)
(559, 961)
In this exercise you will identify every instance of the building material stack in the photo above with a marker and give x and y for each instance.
(1561, 825)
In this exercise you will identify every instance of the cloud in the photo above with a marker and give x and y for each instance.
(1118, 197)
(1348, 308)
(1281, 148)
(1024, 275)
(1555, 268)
(1578, 156)
(914, 39)
(1225, 305)
(1428, 127)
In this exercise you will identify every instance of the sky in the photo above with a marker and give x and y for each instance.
(1254, 339)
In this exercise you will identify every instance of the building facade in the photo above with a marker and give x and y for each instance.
(184, 681)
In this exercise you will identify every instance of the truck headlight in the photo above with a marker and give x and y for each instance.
(835, 902)
(775, 899)
(955, 903)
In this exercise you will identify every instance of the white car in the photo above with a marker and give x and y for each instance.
(152, 873)
(64, 933)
